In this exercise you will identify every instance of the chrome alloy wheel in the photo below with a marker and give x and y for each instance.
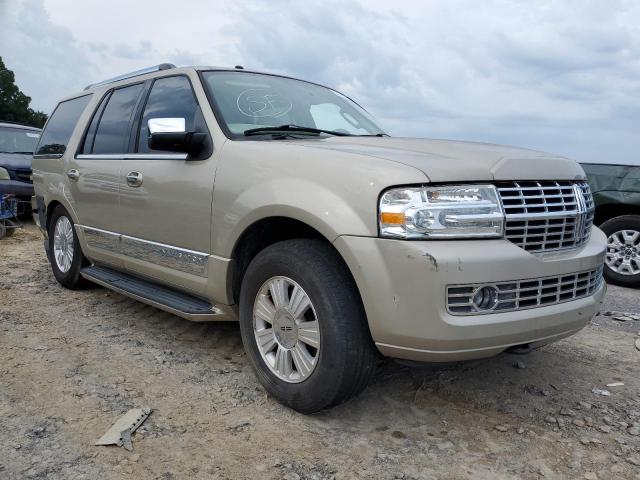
(63, 244)
(286, 329)
(623, 252)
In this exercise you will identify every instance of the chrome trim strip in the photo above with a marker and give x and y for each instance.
(102, 239)
(161, 254)
(217, 313)
(176, 258)
(132, 156)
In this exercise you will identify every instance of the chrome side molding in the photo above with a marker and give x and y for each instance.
(132, 156)
(169, 256)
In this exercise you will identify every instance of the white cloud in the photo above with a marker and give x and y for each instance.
(559, 76)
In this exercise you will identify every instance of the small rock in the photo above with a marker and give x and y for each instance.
(578, 422)
(589, 421)
(567, 412)
(590, 476)
(634, 461)
(605, 429)
(521, 430)
(550, 419)
(635, 431)
(609, 421)
(599, 391)
(585, 441)
(445, 445)
(585, 405)
(135, 457)
(17, 446)
(519, 364)
(291, 476)
(615, 384)
(617, 469)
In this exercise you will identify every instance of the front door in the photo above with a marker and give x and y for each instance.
(165, 198)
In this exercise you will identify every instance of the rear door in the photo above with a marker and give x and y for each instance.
(165, 198)
(94, 173)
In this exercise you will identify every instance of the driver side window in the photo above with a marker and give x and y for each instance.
(170, 97)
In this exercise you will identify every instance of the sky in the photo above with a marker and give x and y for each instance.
(558, 76)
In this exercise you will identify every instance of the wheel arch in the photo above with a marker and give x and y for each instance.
(265, 232)
(612, 210)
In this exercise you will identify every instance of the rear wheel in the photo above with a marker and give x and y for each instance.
(622, 261)
(304, 327)
(65, 255)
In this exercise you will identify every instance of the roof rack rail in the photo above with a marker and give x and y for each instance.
(156, 68)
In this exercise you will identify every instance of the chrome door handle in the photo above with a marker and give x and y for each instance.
(73, 174)
(134, 179)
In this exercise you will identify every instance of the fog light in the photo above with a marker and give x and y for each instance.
(485, 297)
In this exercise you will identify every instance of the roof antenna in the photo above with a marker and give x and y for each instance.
(239, 67)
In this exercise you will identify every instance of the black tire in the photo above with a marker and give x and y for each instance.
(347, 358)
(70, 279)
(616, 224)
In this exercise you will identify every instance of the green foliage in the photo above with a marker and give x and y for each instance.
(14, 105)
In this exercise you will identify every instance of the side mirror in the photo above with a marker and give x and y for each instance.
(170, 135)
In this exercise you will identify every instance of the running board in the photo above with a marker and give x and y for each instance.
(167, 299)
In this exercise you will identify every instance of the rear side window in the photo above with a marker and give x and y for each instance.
(59, 128)
(112, 133)
(170, 97)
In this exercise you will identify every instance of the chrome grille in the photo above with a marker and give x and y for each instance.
(523, 294)
(547, 215)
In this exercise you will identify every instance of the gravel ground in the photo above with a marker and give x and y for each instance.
(72, 362)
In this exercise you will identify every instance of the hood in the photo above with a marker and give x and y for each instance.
(15, 161)
(453, 161)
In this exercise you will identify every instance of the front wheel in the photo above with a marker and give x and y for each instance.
(304, 327)
(622, 261)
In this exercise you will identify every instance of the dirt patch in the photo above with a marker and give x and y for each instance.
(72, 362)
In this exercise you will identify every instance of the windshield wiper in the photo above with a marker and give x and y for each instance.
(20, 153)
(292, 129)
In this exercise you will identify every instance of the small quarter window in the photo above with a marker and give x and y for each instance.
(60, 126)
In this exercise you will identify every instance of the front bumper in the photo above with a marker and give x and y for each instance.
(17, 188)
(403, 286)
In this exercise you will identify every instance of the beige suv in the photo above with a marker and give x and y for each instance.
(224, 194)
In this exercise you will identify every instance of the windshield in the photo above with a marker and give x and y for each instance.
(18, 140)
(249, 100)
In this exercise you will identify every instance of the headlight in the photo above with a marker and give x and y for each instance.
(448, 211)
(4, 174)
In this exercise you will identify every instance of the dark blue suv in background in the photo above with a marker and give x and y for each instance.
(17, 143)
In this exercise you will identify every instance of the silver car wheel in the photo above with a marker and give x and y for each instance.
(623, 252)
(286, 329)
(63, 244)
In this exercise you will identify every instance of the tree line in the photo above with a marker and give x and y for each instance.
(14, 105)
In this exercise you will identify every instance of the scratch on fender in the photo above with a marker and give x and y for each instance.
(432, 260)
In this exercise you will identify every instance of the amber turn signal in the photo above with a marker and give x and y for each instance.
(390, 218)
